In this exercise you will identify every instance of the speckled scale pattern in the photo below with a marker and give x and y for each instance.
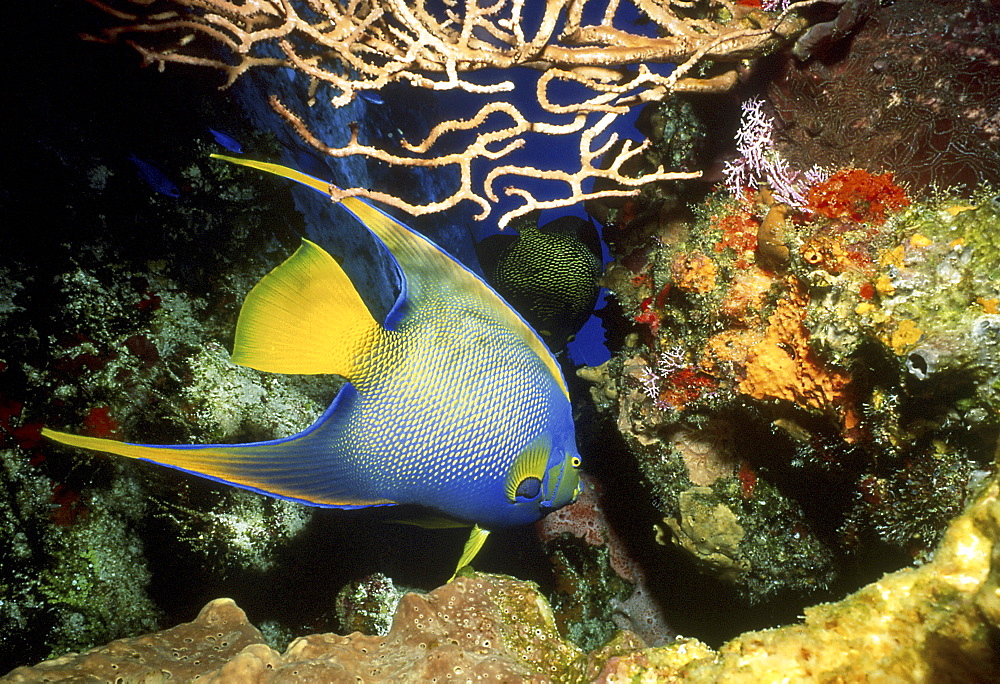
(529, 270)
(409, 444)
(443, 397)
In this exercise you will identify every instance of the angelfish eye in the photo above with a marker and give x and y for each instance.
(575, 462)
(528, 488)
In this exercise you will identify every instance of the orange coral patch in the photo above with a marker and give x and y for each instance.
(728, 349)
(782, 365)
(693, 272)
(857, 195)
(991, 305)
(904, 336)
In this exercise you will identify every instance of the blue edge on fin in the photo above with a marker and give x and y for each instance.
(346, 391)
(395, 314)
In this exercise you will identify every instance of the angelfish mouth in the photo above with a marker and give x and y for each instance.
(555, 479)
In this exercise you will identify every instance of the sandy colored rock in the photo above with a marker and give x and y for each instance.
(479, 628)
(927, 624)
(192, 649)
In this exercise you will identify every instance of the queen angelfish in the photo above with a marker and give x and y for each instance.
(452, 403)
(548, 274)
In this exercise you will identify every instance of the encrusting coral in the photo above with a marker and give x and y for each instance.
(927, 624)
(847, 347)
(783, 366)
(477, 628)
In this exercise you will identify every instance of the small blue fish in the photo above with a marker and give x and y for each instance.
(370, 96)
(452, 403)
(226, 140)
(152, 176)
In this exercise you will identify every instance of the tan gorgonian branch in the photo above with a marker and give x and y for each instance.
(587, 171)
(354, 46)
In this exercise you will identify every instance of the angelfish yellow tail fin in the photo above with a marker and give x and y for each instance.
(92, 443)
(305, 317)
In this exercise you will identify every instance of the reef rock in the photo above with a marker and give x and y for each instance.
(481, 627)
(927, 624)
(931, 623)
(825, 388)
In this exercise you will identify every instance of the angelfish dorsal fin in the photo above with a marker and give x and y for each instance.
(305, 317)
(420, 260)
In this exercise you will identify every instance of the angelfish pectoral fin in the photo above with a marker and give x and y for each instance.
(292, 469)
(475, 542)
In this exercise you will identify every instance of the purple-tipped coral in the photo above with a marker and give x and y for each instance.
(760, 162)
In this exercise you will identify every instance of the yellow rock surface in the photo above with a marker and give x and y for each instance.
(927, 624)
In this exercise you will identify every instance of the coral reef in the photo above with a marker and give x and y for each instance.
(809, 391)
(808, 394)
(931, 623)
(804, 385)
